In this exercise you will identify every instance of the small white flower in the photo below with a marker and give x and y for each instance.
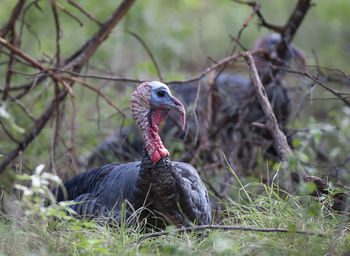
(39, 169)
(346, 110)
(35, 181)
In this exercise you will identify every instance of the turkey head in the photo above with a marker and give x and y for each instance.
(150, 104)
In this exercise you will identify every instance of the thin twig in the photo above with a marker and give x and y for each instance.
(11, 27)
(56, 132)
(53, 2)
(98, 91)
(209, 69)
(23, 107)
(57, 91)
(14, 15)
(262, 20)
(87, 14)
(24, 23)
(148, 52)
(222, 227)
(58, 37)
(245, 24)
(81, 55)
(10, 65)
(306, 74)
(238, 42)
(347, 76)
(45, 73)
(8, 133)
(22, 54)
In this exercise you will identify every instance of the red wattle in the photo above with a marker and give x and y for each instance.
(155, 156)
(163, 152)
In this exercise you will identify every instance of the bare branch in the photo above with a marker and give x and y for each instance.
(58, 37)
(308, 75)
(81, 56)
(295, 20)
(209, 69)
(53, 2)
(256, 8)
(148, 52)
(22, 54)
(11, 27)
(8, 133)
(262, 20)
(87, 14)
(244, 25)
(281, 142)
(23, 107)
(14, 15)
(98, 91)
(39, 125)
(43, 73)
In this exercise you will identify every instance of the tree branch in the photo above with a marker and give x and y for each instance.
(85, 12)
(14, 15)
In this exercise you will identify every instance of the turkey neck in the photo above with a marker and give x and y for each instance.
(158, 183)
(147, 119)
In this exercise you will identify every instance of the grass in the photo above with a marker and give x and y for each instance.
(40, 230)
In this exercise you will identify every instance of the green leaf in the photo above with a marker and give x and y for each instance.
(296, 143)
(303, 157)
(306, 188)
(314, 209)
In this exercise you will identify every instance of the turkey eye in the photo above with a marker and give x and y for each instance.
(160, 93)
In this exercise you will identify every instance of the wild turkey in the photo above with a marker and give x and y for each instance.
(168, 192)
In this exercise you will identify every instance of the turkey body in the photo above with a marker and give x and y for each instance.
(166, 192)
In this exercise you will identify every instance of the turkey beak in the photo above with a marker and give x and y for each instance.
(178, 106)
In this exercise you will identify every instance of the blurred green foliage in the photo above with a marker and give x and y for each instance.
(182, 33)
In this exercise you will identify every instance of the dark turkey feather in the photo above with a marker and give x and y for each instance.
(102, 190)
